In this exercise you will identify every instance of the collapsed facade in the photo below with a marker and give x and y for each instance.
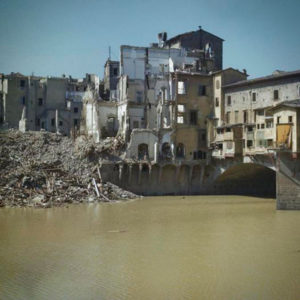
(45, 103)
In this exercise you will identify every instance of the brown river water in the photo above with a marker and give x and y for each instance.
(198, 247)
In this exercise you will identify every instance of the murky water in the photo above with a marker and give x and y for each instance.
(216, 247)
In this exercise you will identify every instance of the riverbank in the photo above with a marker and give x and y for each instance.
(43, 169)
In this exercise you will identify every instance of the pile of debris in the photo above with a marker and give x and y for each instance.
(45, 169)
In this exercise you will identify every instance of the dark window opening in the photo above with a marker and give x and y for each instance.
(203, 136)
(278, 120)
(115, 71)
(23, 100)
(38, 122)
(228, 100)
(40, 101)
(180, 151)
(22, 83)
(76, 122)
(249, 143)
(290, 119)
(75, 110)
(53, 122)
(193, 117)
(253, 97)
(143, 151)
(276, 95)
(60, 123)
(217, 102)
(199, 155)
(202, 90)
(245, 116)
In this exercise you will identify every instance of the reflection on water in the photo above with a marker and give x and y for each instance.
(200, 247)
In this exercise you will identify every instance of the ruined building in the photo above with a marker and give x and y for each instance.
(47, 103)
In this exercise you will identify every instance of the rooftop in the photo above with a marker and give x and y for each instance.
(276, 75)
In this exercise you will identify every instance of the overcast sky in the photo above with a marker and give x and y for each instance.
(72, 37)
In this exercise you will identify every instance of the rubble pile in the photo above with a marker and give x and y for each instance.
(45, 169)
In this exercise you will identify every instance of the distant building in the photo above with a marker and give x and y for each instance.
(49, 103)
(266, 111)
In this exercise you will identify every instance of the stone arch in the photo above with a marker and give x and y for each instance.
(166, 151)
(143, 151)
(168, 179)
(182, 180)
(246, 179)
(111, 124)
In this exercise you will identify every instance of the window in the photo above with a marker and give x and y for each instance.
(60, 123)
(23, 100)
(181, 88)
(75, 110)
(76, 122)
(278, 120)
(180, 151)
(203, 136)
(180, 119)
(260, 112)
(181, 108)
(139, 96)
(249, 143)
(250, 128)
(253, 97)
(40, 101)
(290, 119)
(38, 122)
(115, 71)
(276, 94)
(236, 117)
(43, 125)
(22, 83)
(258, 126)
(245, 116)
(193, 117)
(262, 126)
(228, 100)
(53, 122)
(135, 124)
(201, 90)
(269, 124)
(228, 117)
(217, 102)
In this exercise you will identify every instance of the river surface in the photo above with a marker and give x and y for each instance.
(200, 247)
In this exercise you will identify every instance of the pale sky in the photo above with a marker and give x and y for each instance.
(72, 37)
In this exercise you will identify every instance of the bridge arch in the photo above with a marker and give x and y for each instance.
(246, 179)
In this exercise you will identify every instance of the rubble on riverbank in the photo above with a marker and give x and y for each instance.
(44, 169)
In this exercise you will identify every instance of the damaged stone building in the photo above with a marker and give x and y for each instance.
(260, 115)
(44, 103)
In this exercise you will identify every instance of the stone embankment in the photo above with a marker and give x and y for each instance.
(44, 169)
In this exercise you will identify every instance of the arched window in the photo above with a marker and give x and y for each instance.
(143, 151)
(180, 151)
(166, 151)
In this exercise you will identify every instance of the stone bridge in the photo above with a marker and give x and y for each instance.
(268, 175)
